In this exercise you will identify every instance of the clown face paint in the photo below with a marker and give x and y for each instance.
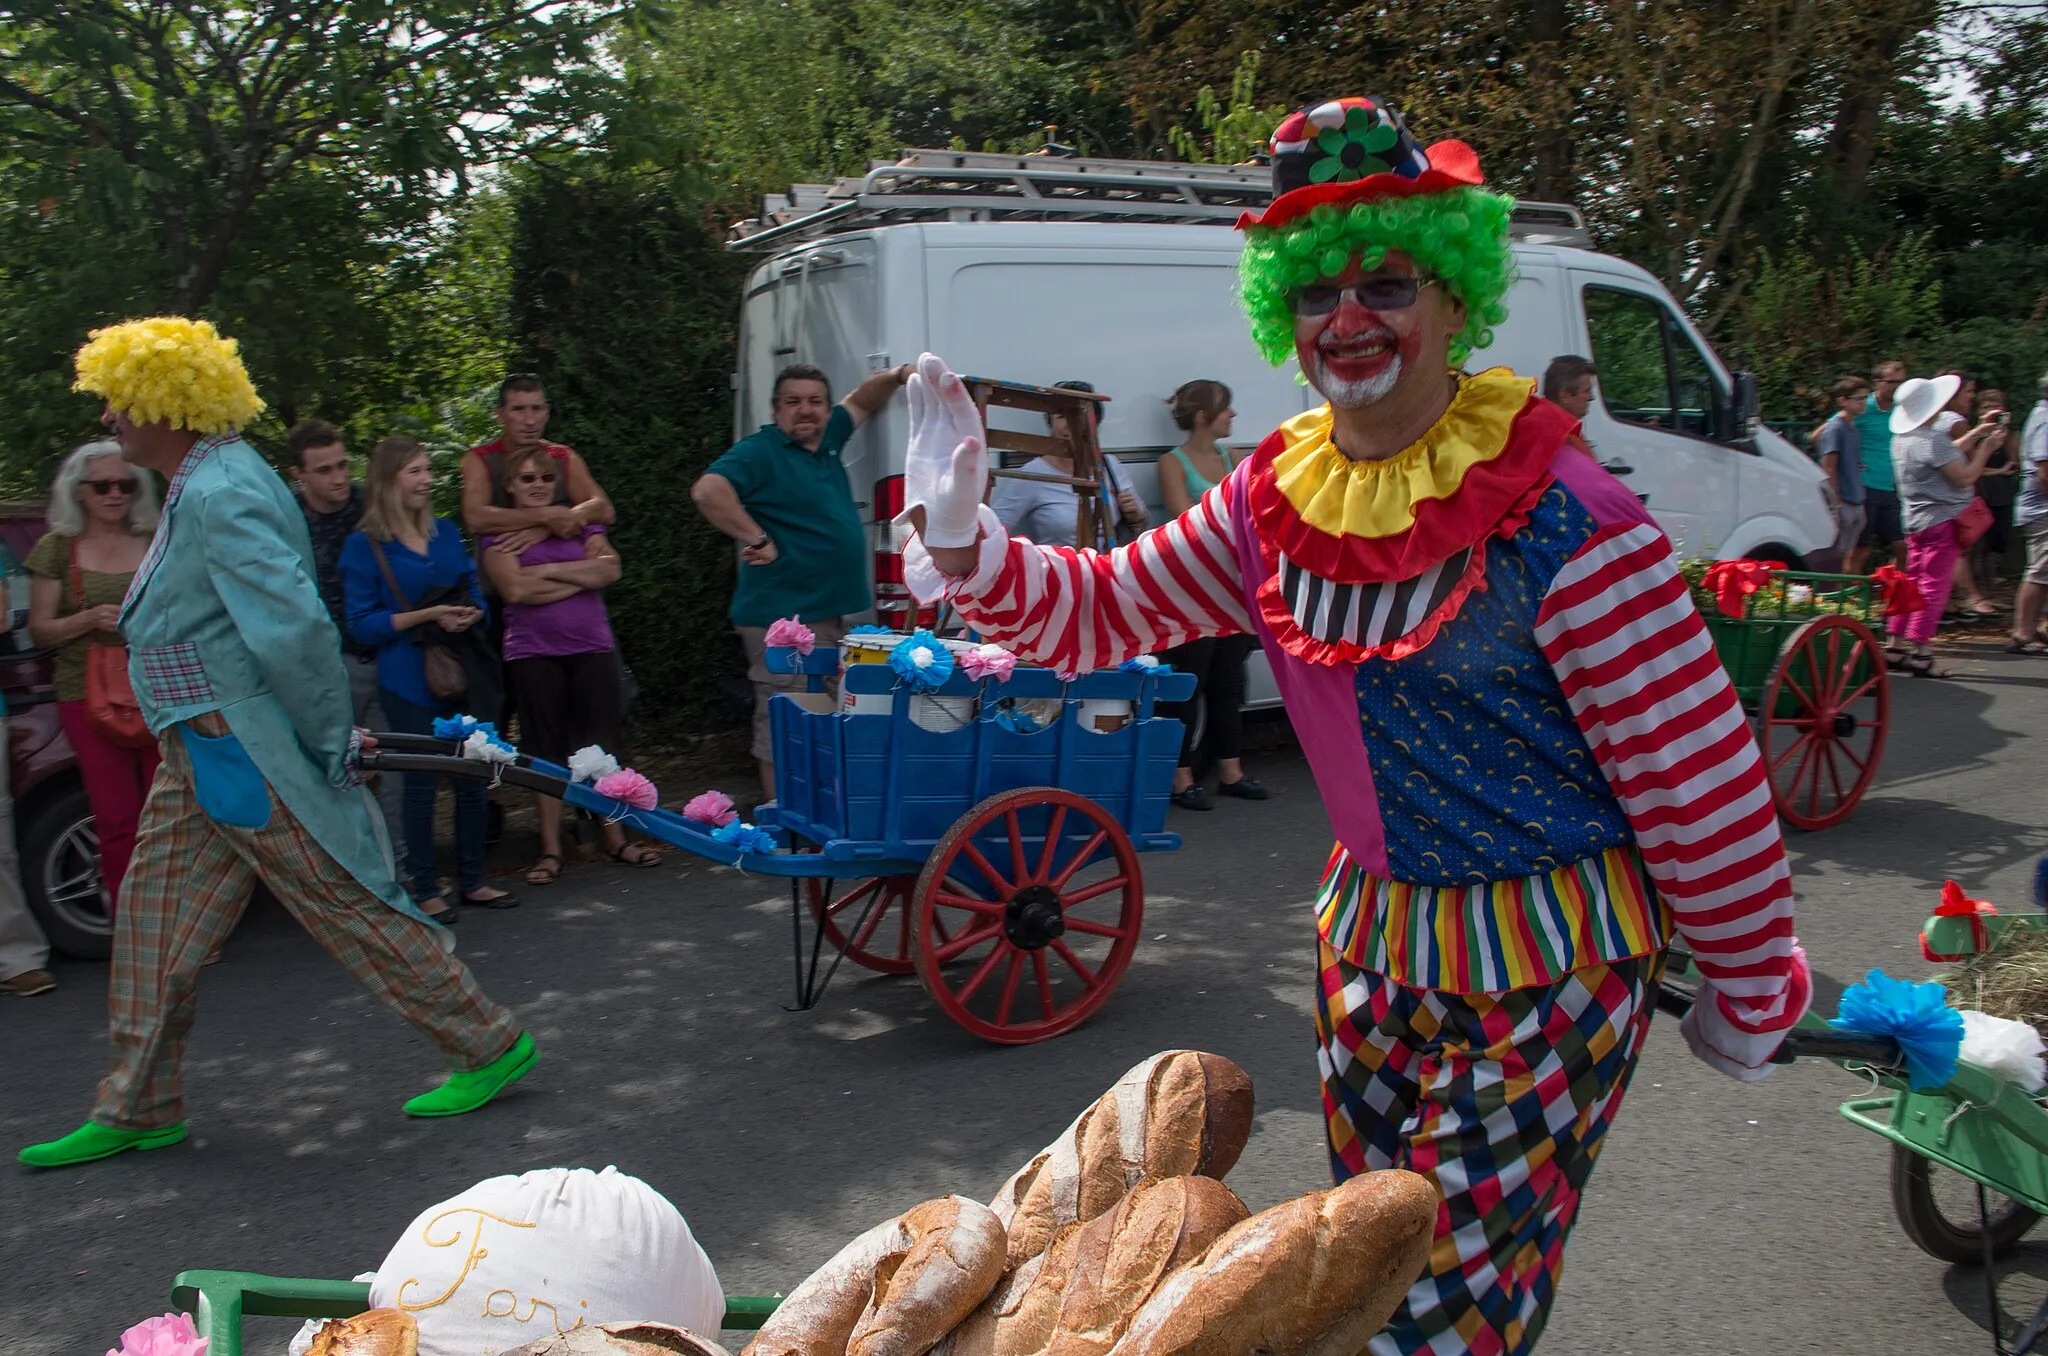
(1356, 356)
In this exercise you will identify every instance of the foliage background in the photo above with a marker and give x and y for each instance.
(1823, 183)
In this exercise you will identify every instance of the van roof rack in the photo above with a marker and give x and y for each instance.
(942, 185)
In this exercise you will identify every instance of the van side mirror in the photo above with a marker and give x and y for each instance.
(1743, 409)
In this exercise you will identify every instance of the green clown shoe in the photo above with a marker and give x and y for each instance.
(469, 1090)
(93, 1140)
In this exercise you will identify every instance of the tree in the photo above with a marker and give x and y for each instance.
(192, 113)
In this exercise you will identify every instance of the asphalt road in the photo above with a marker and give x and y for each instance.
(1723, 1218)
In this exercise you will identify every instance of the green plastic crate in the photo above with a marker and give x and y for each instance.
(219, 1300)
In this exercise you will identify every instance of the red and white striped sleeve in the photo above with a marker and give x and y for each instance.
(1620, 630)
(1078, 610)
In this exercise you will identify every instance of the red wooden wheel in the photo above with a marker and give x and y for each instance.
(1028, 911)
(870, 921)
(1823, 720)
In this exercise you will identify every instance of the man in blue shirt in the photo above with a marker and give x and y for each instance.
(782, 494)
(1883, 527)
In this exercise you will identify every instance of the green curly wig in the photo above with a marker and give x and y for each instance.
(1459, 235)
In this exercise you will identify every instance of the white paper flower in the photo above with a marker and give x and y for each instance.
(485, 749)
(589, 763)
(923, 657)
(2010, 1049)
(1146, 661)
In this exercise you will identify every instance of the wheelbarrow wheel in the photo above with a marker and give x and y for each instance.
(870, 921)
(1028, 911)
(1822, 725)
(1938, 1210)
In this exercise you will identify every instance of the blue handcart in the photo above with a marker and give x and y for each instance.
(982, 835)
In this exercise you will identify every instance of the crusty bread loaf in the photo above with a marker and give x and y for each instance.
(379, 1332)
(1122, 1257)
(927, 1269)
(1317, 1276)
(954, 1260)
(622, 1339)
(1178, 1114)
(1018, 1319)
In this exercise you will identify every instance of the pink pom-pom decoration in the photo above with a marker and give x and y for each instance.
(630, 787)
(989, 661)
(711, 807)
(792, 633)
(167, 1335)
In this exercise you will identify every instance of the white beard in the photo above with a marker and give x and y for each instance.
(1351, 395)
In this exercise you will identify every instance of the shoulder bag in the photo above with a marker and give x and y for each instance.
(447, 679)
(110, 705)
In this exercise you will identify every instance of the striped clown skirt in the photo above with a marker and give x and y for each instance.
(1502, 1100)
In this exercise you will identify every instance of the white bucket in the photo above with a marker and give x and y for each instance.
(1104, 715)
(941, 714)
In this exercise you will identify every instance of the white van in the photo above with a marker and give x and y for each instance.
(1123, 273)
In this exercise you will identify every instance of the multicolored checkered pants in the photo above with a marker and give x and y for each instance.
(186, 890)
(1502, 1100)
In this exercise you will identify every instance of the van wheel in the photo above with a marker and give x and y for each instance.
(1793, 560)
(60, 869)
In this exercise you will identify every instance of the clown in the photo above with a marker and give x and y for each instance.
(237, 668)
(1537, 770)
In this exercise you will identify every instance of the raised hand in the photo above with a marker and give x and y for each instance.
(945, 468)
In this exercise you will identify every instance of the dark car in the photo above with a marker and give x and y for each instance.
(53, 827)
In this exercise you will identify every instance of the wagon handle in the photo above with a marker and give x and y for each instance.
(1844, 1047)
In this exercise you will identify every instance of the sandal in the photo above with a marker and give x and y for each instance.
(1898, 661)
(504, 899)
(1922, 666)
(642, 856)
(2018, 646)
(541, 873)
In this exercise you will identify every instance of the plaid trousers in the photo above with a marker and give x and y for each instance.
(1502, 1100)
(187, 888)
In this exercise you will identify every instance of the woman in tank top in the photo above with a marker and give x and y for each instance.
(1198, 465)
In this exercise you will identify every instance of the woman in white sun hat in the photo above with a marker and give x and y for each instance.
(1936, 476)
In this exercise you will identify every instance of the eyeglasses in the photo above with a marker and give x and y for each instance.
(1389, 292)
(124, 485)
(535, 477)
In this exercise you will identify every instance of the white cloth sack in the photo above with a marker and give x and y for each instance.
(518, 1258)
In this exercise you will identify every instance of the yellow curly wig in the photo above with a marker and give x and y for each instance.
(169, 370)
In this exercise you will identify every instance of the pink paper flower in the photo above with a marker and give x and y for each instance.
(711, 807)
(168, 1335)
(630, 787)
(792, 633)
(989, 661)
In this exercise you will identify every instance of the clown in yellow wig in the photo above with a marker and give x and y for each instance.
(169, 370)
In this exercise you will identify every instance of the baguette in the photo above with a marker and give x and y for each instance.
(938, 1259)
(622, 1339)
(1316, 1276)
(379, 1332)
(1018, 1319)
(1180, 1113)
(1122, 1257)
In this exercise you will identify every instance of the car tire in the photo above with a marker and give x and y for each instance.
(60, 871)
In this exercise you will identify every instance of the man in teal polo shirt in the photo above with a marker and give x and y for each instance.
(781, 493)
(1882, 526)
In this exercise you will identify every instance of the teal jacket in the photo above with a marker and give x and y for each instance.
(225, 615)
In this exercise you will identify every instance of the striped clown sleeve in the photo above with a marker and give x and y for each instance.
(1620, 630)
(1079, 610)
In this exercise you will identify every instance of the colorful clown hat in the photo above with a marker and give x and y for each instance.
(1356, 150)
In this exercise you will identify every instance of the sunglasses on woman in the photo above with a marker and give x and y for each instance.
(1390, 292)
(535, 477)
(123, 485)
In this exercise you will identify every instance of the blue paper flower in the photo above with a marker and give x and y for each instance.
(456, 727)
(1928, 1030)
(921, 661)
(1146, 664)
(744, 836)
(871, 630)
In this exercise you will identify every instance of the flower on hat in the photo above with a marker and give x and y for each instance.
(1351, 140)
(169, 370)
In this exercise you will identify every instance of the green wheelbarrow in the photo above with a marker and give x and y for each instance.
(219, 1300)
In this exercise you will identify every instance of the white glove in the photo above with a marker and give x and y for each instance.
(945, 468)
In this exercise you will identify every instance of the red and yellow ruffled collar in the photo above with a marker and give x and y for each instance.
(1477, 470)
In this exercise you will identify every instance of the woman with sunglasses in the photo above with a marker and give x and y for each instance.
(102, 514)
(560, 657)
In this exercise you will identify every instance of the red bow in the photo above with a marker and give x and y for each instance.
(1731, 581)
(1956, 904)
(1901, 594)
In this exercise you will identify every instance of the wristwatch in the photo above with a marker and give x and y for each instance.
(757, 545)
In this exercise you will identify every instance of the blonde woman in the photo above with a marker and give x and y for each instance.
(102, 514)
(403, 571)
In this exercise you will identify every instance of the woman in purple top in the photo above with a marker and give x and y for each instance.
(560, 657)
